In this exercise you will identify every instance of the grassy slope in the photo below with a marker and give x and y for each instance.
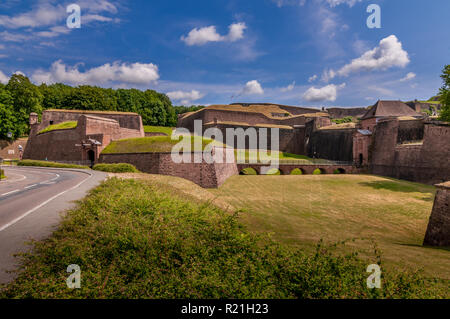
(158, 129)
(300, 210)
(61, 126)
(144, 239)
(149, 144)
(49, 164)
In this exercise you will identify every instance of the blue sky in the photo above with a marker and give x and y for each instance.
(296, 52)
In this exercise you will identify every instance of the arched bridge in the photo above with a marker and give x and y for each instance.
(302, 168)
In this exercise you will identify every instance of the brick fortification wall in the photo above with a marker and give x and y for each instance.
(331, 144)
(339, 112)
(438, 231)
(204, 174)
(60, 145)
(10, 150)
(428, 162)
(290, 140)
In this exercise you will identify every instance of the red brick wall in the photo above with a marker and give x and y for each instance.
(203, 174)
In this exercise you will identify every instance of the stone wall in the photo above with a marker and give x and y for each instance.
(339, 112)
(438, 230)
(410, 130)
(208, 175)
(331, 144)
(427, 162)
(10, 150)
(65, 145)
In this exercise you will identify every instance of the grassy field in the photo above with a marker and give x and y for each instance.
(61, 126)
(149, 239)
(300, 210)
(158, 129)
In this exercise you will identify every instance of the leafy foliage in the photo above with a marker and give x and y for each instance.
(142, 239)
(445, 94)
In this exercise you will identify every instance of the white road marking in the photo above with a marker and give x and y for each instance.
(42, 204)
(31, 186)
(14, 191)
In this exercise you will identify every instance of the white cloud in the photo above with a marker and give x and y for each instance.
(312, 78)
(326, 93)
(409, 76)
(46, 19)
(134, 73)
(3, 78)
(388, 54)
(290, 87)
(185, 98)
(201, 36)
(350, 3)
(252, 88)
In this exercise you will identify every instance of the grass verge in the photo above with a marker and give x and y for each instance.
(158, 129)
(116, 168)
(49, 164)
(142, 239)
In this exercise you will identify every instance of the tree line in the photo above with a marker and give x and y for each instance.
(19, 97)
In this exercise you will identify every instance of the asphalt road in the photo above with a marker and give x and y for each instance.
(31, 203)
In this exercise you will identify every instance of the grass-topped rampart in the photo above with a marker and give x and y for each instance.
(60, 126)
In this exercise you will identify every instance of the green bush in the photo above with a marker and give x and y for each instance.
(49, 164)
(142, 239)
(116, 168)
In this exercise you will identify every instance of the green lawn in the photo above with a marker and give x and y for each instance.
(158, 129)
(300, 210)
(61, 126)
(152, 144)
(146, 239)
(273, 155)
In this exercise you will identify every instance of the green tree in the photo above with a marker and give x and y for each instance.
(7, 118)
(445, 94)
(26, 99)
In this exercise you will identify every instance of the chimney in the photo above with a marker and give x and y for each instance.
(34, 118)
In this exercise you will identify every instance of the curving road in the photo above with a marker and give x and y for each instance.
(31, 202)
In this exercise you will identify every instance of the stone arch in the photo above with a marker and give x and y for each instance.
(298, 171)
(319, 171)
(274, 171)
(249, 171)
(339, 170)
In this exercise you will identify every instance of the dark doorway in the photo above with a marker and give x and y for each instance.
(91, 157)
(360, 159)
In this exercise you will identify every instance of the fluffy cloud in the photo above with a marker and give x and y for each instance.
(290, 87)
(134, 73)
(252, 88)
(326, 93)
(388, 54)
(3, 78)
(204, 35)
(185, 98)
(47, 19)
(312, 78)
(409, 76)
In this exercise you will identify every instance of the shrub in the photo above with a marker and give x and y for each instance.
(116, 168)
(142, 239)
(49, 164)
(2, 173)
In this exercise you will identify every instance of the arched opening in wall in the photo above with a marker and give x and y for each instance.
(248, 171)
(298, 171)
(274, 171)
(91, 157)
(361, 158)
(339, 171)
(319, 171)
